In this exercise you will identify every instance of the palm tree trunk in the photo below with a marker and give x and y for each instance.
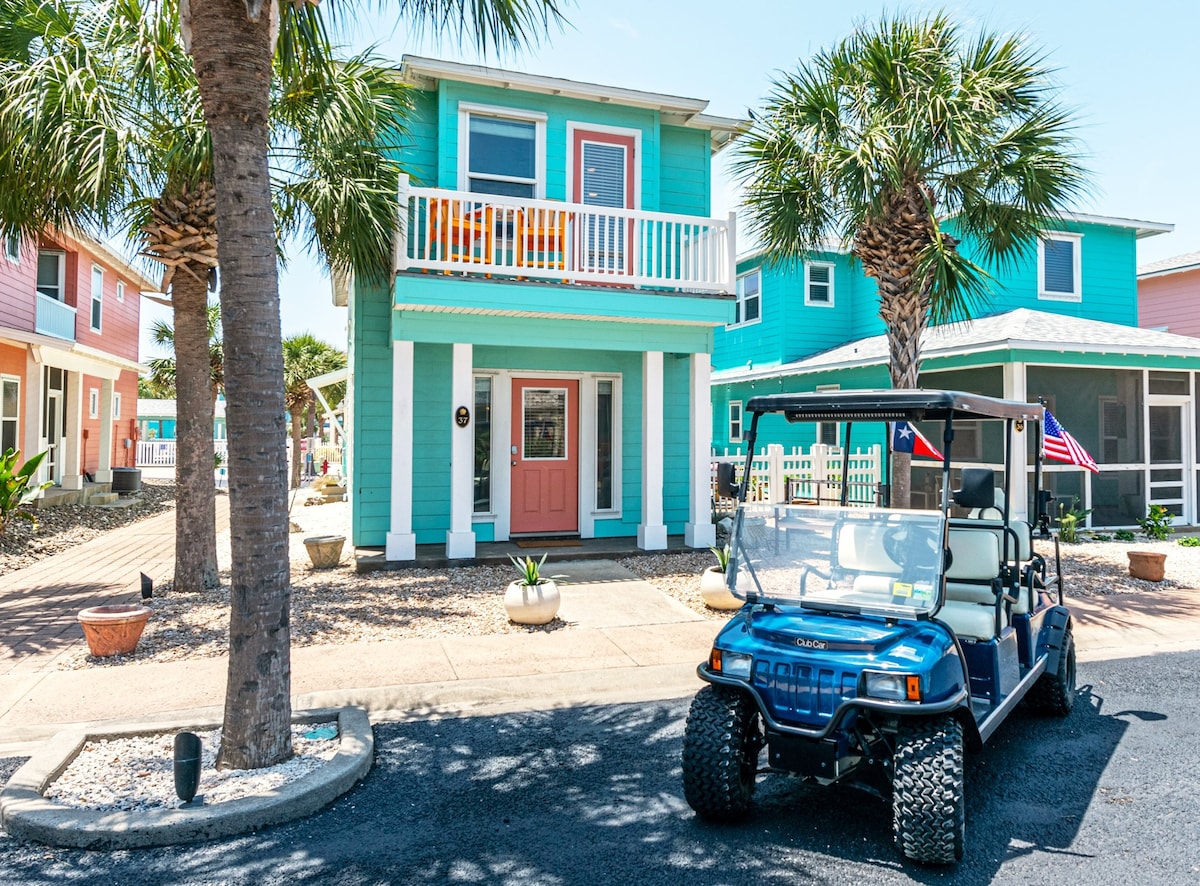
(232, 56)
(296, 454)
(195, 494)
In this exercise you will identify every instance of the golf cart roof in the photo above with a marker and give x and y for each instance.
(891, 405)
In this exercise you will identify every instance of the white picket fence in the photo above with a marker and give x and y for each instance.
(161, 454)
(815, 477)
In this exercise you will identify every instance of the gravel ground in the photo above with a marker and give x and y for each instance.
(340, 606)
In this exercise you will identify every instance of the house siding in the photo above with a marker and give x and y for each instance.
(1169, 303)
(686, 171)
(371, 393)
(17, 306)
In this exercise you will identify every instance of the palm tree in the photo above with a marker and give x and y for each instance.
(901, 142)
(107, 85)
(305, 357)
(162, 369)
(231, 45)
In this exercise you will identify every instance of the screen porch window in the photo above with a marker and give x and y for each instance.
(483, 444)
(818, 283)
(1059, 267)
(501, 156)
(50, 275)
(749, 298)
(10, 399)
(97, 296)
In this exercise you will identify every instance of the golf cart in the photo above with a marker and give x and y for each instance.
(875, 644)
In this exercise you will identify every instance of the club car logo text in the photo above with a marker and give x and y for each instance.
(806, 643)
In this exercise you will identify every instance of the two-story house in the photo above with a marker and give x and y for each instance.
(69, 326)
(1169, 293)
(1062, 324)
(539, 366)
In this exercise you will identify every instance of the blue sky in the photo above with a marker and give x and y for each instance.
(1128, 70)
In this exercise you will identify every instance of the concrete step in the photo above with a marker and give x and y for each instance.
(102, 498)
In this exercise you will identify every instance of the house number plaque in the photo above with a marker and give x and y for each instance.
(462, 416)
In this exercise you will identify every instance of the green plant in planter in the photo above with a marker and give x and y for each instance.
(17, 488)
(1069, 520)
(1157, 523)
(531, 571)
(1124, 535)
(1190, 541)
(722, 555)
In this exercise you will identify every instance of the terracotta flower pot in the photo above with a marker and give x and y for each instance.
(532, 604)
(714, 592)
(325, 551)
(113, 630)
(1147, 565)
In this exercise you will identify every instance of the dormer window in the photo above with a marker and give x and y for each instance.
(503, 152)
(818, 283)
(1059, 267)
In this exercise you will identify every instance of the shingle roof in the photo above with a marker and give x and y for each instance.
(1019, 328)
(1187, 262)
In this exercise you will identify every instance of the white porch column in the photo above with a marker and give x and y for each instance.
(104, 468)
(460, 539)
(699, 531)
(1014, 389)
(401, 542)
(72, 471)
(33, 442)
(652, 532)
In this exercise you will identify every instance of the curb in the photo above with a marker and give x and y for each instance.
(26, 815)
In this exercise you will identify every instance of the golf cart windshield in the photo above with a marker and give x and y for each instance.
(866, 560)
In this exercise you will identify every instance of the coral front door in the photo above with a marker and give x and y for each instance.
(545, 455)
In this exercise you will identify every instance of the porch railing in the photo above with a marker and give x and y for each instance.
(814, 477)
(484, 234)
(54, 318)
(161, 453)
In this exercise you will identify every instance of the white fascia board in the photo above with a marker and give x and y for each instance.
(1166, 272)
(1141, 228)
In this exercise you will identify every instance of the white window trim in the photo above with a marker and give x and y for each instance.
(13, 255)
(97, 298)
(808, 286)
(116, 404)
(741, 301)
(594, 444)
(120, 290)
(466, 109)
(1077, 271)
(635, 168)
(740, 421)
(93, 402)
(15, 419)
(62, 275)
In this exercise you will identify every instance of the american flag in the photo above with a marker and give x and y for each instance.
(1061, 446)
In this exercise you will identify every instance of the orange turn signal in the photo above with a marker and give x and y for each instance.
(714, 659)
(912, 687)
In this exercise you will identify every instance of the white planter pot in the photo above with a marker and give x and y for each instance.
(714, 592)
(531, 604)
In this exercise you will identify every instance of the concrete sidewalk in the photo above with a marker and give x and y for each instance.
(626, 641)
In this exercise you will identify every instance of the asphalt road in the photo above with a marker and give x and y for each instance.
(592, 795)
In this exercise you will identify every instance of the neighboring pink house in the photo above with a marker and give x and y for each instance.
(1169, 295)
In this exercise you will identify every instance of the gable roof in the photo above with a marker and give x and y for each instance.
(1178, 264)
(675, 110)
(1018, 329)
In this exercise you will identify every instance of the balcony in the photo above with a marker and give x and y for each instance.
(54, 318)
(458, 232)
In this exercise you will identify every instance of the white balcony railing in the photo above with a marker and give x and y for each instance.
(462, 232)
(54, 318)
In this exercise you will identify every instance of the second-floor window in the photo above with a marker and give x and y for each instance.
(121, 290)
(50, 275)
(749, 298)
(1059, 267)
(502, 153)
(97, 296)
(12, 248)
(818, 283)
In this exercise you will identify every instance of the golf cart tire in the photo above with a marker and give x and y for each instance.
(928, 803)
(1054, 693)
(721, 745)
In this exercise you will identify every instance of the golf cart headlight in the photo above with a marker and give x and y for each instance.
(731, 664)
(895, 687)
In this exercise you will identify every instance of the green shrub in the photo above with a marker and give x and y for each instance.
(1124, 535)
(17, 488)
(1190, 541)
(722, 555)
(1069, 520)
(1157, 523)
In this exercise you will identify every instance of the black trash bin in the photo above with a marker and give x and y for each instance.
(126, 481)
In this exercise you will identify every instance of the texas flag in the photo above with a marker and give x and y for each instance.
(906, 438)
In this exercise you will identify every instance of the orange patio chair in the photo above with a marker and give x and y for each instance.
(542, 238)
(455, 226)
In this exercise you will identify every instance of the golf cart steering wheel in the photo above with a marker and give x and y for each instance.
(912, 547)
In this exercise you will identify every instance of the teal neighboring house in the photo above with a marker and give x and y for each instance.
(1061, 324)
(540, 366)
